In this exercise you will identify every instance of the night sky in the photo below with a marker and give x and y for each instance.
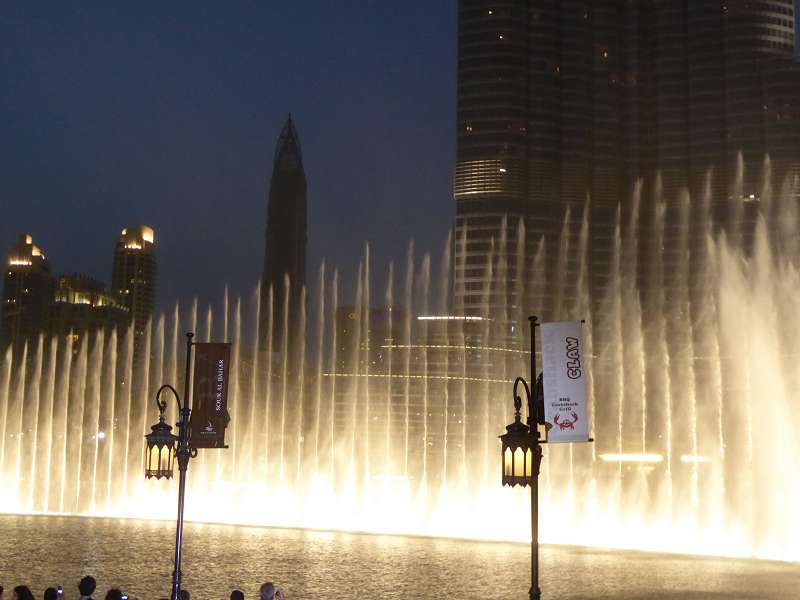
(167, 114)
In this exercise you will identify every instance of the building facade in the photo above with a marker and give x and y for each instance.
(563, 106)
(133, 278)
(27, 295)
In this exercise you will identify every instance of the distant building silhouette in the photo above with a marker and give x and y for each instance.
(420, 377)
(27, 294)
(133, 280)
(363, 338)
(82, 306)
(285, 253)
(35, 302)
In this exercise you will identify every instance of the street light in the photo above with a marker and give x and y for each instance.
(522, 455)
(163, 448)
(160, 455)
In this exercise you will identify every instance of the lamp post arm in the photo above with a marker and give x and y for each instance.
(524, 383)
(162, 404)
(518, 400)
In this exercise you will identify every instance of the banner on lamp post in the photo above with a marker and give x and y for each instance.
(564, 382)
(210, 396)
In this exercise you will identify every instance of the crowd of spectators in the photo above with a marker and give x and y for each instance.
(88, 586)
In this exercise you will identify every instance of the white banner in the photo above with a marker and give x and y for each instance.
(564, 382)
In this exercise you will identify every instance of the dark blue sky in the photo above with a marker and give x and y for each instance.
(167, 113)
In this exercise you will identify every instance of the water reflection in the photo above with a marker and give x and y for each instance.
(136, 556)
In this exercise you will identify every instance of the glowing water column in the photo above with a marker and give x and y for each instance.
(522, 457)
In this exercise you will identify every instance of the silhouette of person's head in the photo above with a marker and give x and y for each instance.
(22, 592)
(87, 586)
(237, 595)
(50, 594)
(113, 594)
(268, 591)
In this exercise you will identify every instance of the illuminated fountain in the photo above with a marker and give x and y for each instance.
(693, 405)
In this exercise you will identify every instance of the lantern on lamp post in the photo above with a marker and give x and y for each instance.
(522, 455)
(160, 454)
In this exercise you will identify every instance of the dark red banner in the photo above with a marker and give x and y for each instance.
(210, 398)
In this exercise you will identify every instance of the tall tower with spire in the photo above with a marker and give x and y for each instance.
(285, 254)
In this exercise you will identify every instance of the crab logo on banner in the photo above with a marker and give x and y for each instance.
(564, 382)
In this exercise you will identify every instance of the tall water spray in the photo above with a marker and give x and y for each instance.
(693, 377)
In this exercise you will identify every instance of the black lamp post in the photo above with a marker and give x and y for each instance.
(522, 456)
(162, 449)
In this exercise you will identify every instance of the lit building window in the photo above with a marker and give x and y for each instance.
(478, 177)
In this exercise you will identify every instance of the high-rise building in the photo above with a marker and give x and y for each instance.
(81, 307)
(562, 100)
(285, 254)
(27, 294)
(133, 280)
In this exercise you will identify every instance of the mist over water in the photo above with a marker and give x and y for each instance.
(693, 375)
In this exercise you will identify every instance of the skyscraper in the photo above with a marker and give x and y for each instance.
(27, 294)
(285, 253)
(134, 275)
(562, 100)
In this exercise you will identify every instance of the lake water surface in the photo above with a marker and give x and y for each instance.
(136, 556)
